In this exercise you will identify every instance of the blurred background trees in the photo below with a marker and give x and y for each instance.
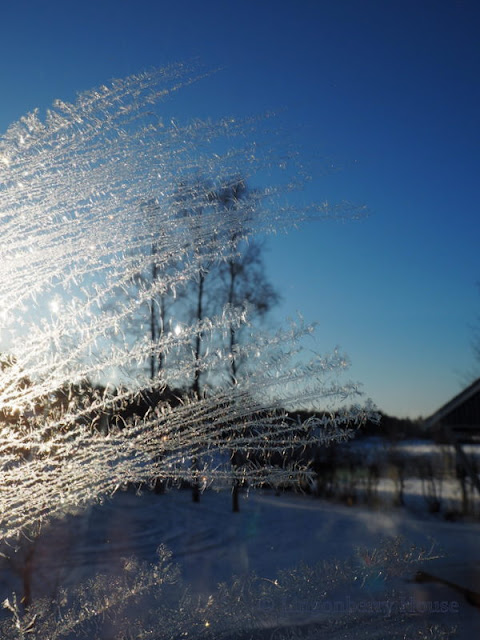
(231, 278)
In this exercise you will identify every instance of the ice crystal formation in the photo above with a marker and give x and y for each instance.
(151, 601)
(94, 196)
(85, 193)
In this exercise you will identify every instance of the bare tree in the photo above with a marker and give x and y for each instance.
(232, 277)
(162, 298)
(242, 278)
(242, 282)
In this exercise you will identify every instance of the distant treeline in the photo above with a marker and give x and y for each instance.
(388, 427)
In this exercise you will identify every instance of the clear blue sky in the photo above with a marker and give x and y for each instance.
(389, 91)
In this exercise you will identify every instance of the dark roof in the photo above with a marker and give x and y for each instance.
(453, 404)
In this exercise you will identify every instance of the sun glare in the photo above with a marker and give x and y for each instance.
(54, 305)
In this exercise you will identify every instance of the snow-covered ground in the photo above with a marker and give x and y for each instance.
(428, 470)
(271, 533)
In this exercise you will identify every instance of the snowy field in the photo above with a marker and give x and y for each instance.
(270, 534)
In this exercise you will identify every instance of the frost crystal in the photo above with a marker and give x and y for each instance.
(151, 601)
(91, 196)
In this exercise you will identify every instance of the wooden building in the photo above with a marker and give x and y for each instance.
(458, 419)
